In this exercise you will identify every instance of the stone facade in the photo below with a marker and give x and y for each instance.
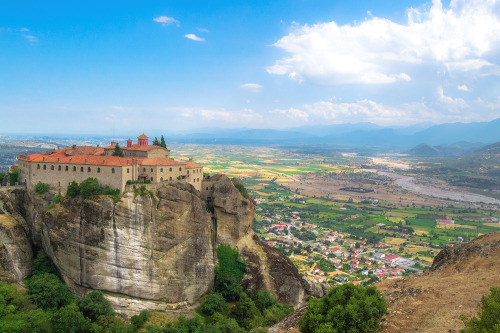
(141, 162)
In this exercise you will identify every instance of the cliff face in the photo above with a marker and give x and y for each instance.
(15, 248)
(157, 251)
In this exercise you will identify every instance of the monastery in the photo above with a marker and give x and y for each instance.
(140, 162)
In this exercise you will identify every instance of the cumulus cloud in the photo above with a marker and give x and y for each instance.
(452, 104)
(194, 37)
(253, 87)
(463, 87)
(165, 20)
(221, 115)
(378, 50)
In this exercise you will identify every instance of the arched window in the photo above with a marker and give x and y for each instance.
(67, 168)
(180, 169)
(128, 170)
(112, 170)
(74, 168)
(170, 169)
(45, 167)
(161, 169)
(59, 168)
(151, 178)
(187, 172)
(161, 179)
(151, 169)
(81, 169)
(51, 167)
(170, 178)
(98, 170)
(38, 166)
(88, 170)
(143, 169)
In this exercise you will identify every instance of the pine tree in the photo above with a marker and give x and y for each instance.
(163, 144)
(118, 151)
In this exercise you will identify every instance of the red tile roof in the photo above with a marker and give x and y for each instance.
(143, 136)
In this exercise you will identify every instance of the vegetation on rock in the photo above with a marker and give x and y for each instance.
(41, 188)
(346, 308)
(488, 319)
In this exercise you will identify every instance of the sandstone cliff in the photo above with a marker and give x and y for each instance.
(156, 251)
(15, 248)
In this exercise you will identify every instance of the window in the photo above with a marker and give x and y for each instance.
(74, 168)
(207, 188)
(161, 179)
(112, 170)
(51, 167)
(151, 169)
(180, 169)
(67, 168)
(59, 168)
(88, 170)
(128, 170)
(161, 169)
(81, 169)
(151, 178)
(187, 172)
(143, 169)
(170, 169)
(44, 167)
(98, 170)
(170, 178)
(38, 166)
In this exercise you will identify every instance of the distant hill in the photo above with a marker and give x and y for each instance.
(450, 139)
(425, 150)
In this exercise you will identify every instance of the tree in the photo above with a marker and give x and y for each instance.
(47, 291)
(156, 142)
(89, 187)
(73, 189)
(93, 305)
(488, 319)
(162, 143)
(69, 320)
(118, 151)
(229, 272)
(213, 303)
(14, 176)
(245, 311)
(346, 308)
(41, 188)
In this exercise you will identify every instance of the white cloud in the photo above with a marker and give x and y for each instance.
(452, 104)
(377, 50)
(242, 116)
(165, 20)
(194, 37)
(463, 87)
(203, 30)
(253, 87)
(24, 30)
(31, 39)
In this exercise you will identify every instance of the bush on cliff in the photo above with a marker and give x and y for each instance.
(89, 187)
(488, 319)
(93, 305)
(41, 188)
(346, 308)
(229, 272)
(214, 302)
(73, 189)
(48, 291)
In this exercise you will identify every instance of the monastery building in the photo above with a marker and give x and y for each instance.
(140, 162)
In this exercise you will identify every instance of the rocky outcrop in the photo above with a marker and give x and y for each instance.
(15, 248)
(156, 250)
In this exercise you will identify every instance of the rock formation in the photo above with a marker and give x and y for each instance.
(155, 250)
(15, 248)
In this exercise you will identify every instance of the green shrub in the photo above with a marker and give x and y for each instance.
(14, 176)
(229, 272)
(346, 308)
(89, 187)
(41, 188)
(73, 189)
(43, 264)
(488, 319)
(138, 321)
(47, 291)
(69, 319)
(213, 303)
(242, 190)
(93, 305)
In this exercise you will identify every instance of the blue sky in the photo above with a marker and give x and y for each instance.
(94, 66)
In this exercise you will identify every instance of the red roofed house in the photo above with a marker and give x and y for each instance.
(140, 162)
